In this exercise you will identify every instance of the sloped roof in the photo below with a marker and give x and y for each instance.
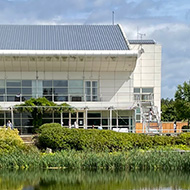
(62, 37)
(142, 42)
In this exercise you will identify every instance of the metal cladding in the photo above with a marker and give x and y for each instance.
(142, 42)
(62, 37)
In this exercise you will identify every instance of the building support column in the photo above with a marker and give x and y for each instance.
(117, 121)
(110, 127)
(70, 125)
(86, 117)
(62, 119)
(12, 116)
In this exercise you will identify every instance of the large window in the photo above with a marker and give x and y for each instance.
(91, 90)
(53, 90)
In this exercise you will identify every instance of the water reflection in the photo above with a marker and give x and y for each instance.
(85, 180)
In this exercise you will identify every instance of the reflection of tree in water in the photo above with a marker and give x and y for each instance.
(100, 180)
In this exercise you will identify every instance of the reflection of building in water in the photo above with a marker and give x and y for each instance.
(91, 67)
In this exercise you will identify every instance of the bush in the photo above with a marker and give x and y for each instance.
(10, 140)
(59, 138)
(49, 125)
(186, 128)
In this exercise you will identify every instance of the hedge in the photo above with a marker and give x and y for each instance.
(60, 138)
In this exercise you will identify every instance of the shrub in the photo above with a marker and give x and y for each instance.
(49, 125)
(10, 140)
(59, 138)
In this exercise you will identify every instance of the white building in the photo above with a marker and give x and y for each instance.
(91, 67)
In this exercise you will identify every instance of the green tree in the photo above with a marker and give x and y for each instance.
(37, 107)
(182, 101)
(168, 110)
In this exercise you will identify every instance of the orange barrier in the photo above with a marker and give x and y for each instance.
(167, 127)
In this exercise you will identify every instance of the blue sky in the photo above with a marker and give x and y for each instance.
(166, 21)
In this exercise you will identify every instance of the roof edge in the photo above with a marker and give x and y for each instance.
(133, 53)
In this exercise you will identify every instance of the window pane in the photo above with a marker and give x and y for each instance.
(94, 98)
(80, 114)
(95, 122)
(78, 91)
(60, 83)
(47, 83)
(13, 83)
(2, 91)
(94, 91)
(88, 84)
(26, 122)
(13, 91)
(104, 121)
(47, 91)
(123, 121)
(88, 91)
(27, 83)
(147, 90)
(94, 84)
(94, 115)
(75, 84)
(60, 91)
(88, 98)
(26, 91)
(60, 98)
(136, 90)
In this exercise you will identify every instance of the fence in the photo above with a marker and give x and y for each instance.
(167, 127)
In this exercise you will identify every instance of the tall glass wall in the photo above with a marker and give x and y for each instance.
(53, 90)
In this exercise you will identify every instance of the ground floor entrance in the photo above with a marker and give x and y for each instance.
(107, 119)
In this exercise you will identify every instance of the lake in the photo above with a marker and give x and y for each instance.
(91, 180)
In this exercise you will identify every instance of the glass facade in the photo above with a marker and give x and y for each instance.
(24, 121)
(53, 90)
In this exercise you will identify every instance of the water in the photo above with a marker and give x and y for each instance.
(89, 180)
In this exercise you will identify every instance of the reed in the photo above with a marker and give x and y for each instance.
(135, 160)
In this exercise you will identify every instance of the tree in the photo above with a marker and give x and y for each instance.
(168, 110)
(37, 107)
(182, 101)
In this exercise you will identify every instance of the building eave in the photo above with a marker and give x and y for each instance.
(131, 53)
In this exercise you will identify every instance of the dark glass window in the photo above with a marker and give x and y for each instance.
(10, 98)
(136, 90)
(26, 91)
(114, 122)
(94, 114)
(13, 83)
(57, 115)
(47, 83)
(2, 91)
(60, 98)
(13, 91)
(27, 83)
(147, 90)
(66, 115)
(104, 121)
(80, 114)
(123, 121)
(47, 91)
(47, 115)
(95, 122)
(60, 83)
(27, 122)
(60, 90)
(17, 122)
